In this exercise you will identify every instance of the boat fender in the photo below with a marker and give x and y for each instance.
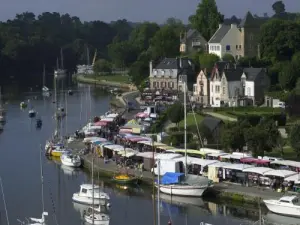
(108, 205)
(169, 223)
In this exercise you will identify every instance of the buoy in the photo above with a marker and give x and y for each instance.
(169, 223)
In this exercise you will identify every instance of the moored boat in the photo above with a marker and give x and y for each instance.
(85, 195)
(69, 159)
(2, 118)
(45, 89)
(97, 218)
(125, 179)
(287, 205)
(32, 113)
(55, 150)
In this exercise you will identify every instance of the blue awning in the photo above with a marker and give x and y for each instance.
(171, 178)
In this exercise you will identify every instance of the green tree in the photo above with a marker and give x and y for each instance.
(207, 18)
(176, 113)
(165, 43)
(208, 60)
(102, 65)
(294, 138)
(288, 75)
(278, 7)
(228, 58)
(279, 39)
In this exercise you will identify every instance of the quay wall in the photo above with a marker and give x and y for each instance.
(221, 191)
(104, 83)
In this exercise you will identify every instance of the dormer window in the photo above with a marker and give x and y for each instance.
(162, 72)
(154, 72)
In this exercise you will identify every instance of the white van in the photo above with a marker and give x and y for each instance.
(175, 165)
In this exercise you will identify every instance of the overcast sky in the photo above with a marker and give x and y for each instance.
(136, 10)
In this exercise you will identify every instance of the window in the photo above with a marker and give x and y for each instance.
(84, 190)
(212, 88)
(248, 91)
(237, 47)
(217, 89)
(218, 48)
(223, 91)
(162, 84)
(227, 47)
(240, 46)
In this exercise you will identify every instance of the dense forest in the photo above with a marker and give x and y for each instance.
(29, 41)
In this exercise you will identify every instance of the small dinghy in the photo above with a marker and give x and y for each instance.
(85, 195)
(32, 113)
(35, 221)
(68, 159)
(39, 123)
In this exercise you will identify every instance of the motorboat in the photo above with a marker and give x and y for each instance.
(68, 159)
(23, 105)
(32, 113)
(56, 150)
(183, 185)
(45, 89)
(36, 221)
(99, 218)
(85, 195)
(273, 218)
(287, 205)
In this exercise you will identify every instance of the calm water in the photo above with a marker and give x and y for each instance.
(20, 172)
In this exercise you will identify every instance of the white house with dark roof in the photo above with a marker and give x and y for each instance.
(238, 86)
(226, 40)
(165, 74)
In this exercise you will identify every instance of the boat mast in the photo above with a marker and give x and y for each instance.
(185, 137)
(42, 179)
(158, 193)
(4, 202)
(44, 75)
(62, 58)
(93, 187)
(57, 64)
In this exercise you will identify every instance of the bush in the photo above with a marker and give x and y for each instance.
(247, 109)
(280, 118)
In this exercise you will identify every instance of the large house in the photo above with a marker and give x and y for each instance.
(239, 40)
(167, 73)
(192, 41)
(238, 86)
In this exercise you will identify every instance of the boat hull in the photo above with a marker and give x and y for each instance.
(182, 190)
(97, 221)
(89, 200)
(56, 153)
(281, 209)
(70, 163)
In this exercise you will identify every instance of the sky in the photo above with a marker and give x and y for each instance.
(137, 10)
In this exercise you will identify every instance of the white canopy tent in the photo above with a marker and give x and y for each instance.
(201, 162)
(147, 155)
(280, 173)
(287, 163)
(219, 164)
(217, 154)
(115, 147)
(295, 178)
(239, 167)
(258, 170)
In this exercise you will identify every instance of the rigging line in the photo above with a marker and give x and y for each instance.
(3, 196)
(53, 205)
(198, 131)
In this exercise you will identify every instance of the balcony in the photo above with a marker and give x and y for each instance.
(196, 44)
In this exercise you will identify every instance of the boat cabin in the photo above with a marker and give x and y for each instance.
(293, 200)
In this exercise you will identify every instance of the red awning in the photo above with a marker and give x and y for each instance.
(101, 123)
(125, 131)
(247, 160)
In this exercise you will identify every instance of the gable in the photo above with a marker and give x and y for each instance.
(220, 34)
(201, 76)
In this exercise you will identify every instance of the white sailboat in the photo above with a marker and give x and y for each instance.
(71, 160)
(45, 89)
(60, 72)
(187, 185)
(42, 220)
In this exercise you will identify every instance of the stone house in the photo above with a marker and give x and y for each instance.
(166, 74)
(192, 41)
(201, 89)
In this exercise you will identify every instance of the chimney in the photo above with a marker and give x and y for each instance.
(150, 67)
(233, 25)
(220, 25)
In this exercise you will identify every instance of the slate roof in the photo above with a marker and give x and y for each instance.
(252, 73)
(233, 74)
(220, 34)
(211, 123)
(221, 65)
(250, 21)
(174, 63)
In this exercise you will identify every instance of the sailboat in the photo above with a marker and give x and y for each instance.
(184, 184)
(45, 89)
(42, 220)
(60, 72)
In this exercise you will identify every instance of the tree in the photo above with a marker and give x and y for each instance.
(228, 58)
(165, 43)
(294, 138)
(278, 7)
(280, 39)
(288, 75)
(207, 18)
(102, 65)
(208, 60)
(176, 113)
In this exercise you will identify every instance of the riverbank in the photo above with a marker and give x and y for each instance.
(222, 191)
(105, 83)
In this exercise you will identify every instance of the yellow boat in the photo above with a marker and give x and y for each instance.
(56, 150)
(125, 179)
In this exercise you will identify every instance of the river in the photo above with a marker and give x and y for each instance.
(20, 171)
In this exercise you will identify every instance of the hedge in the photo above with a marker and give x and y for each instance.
(247, 109)
(280, 118)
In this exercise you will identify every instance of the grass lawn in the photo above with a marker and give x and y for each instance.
(114, 78)
(190, 120)
(288, 153)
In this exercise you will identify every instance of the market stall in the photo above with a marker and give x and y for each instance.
(256, 175)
